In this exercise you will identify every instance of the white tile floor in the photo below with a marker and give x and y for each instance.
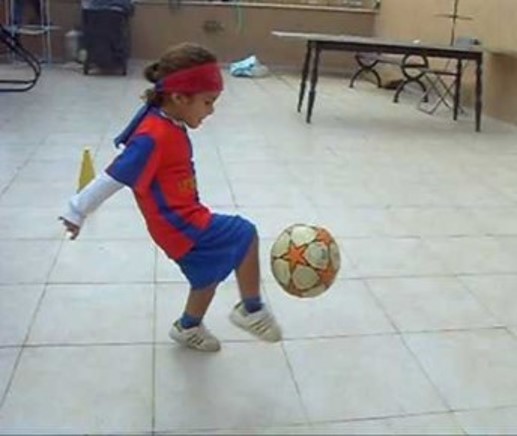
(418, 335)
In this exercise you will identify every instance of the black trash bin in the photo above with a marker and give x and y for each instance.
(106, 35)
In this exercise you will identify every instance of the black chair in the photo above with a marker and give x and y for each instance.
(16, 49)
(442, 81)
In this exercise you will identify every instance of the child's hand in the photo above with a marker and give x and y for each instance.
(71, 228)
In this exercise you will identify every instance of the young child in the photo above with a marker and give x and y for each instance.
(157, 165)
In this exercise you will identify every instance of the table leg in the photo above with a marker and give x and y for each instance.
(305, 73)
(479, 93)
(314, 81)
(457, 91)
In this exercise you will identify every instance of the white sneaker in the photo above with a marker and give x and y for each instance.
(198, 338)
(261, 323)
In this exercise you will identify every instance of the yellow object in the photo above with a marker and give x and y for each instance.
(87, 172)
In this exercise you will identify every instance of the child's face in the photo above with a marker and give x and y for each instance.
(195, 108)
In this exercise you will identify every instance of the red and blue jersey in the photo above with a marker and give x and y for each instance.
(157, 165)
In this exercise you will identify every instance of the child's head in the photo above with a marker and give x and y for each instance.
(187, 83)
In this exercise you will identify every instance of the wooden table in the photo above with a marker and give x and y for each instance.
(317, 42)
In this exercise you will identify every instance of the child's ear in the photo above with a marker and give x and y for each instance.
(179, 98)
(176, 98)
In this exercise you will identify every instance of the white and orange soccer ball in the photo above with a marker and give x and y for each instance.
(305, 260)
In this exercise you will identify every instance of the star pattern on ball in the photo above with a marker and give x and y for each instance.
(296, 255)
(305, 260)
(323, 236)
(327, 276)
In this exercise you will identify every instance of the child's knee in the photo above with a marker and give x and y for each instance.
(251, 228)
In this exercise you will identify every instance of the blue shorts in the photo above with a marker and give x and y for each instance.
(220, 250)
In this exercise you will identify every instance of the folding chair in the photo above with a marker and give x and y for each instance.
(15, 48)
(442, 82)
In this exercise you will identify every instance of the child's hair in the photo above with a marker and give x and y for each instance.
(177, 57)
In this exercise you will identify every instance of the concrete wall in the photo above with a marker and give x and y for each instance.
(238, 32)
(242, 31)
(493, 22)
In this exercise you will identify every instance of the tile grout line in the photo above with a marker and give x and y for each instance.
(20, 168)
(226, 177)
(416, 360)
(400, 416)
(296, 385)
(3, 398)
(479, 301)
(155, 343)
(245, 341)
(420, 365)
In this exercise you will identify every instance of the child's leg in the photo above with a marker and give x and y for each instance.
(197, 305)
(251, 314)
(248, 278)
(189, 329)
(18, 9)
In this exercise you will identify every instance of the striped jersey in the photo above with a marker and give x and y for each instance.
(157, 165)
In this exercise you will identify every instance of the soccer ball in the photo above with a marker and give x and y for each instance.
(305, 260)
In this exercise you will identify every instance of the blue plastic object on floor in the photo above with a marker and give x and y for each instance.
(249, 67)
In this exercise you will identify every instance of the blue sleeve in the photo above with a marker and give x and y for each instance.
(136, 162)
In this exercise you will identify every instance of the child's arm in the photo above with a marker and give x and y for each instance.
(87, 200)
(134, 167)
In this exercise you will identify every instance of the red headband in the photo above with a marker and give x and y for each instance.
(202, 78)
